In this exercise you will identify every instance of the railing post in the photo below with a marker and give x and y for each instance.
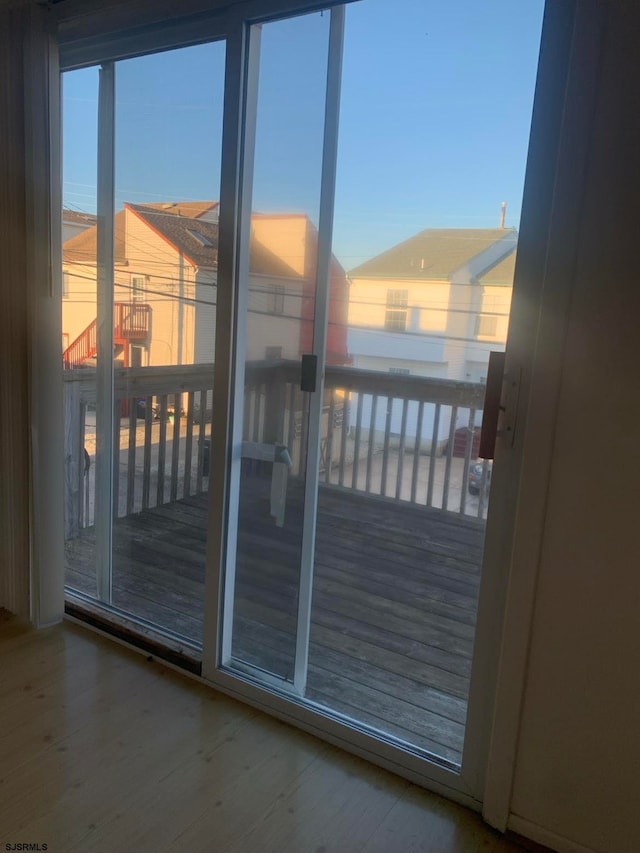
(73, 453)
(275, 403)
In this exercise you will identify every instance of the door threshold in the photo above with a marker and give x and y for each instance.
(133, 633)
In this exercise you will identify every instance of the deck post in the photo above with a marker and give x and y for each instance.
(73, 469)
(275, 404)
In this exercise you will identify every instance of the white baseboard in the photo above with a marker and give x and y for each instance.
(544, 836)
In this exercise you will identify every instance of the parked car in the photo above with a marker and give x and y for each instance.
(475, 477)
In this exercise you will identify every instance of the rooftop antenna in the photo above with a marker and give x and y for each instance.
(503, 214)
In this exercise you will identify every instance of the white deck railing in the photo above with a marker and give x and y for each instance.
(404, 437)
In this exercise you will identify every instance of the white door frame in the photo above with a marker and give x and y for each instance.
(566, 102)
(243, 74)
(238, 138)
(105, 398)
(320, 325)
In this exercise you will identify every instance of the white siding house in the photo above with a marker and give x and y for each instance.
(435, 306)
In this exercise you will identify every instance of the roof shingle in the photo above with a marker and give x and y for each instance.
(195, 238)
(432, 254)
(82, 248)
(194, 209)
(78, 217)
(184, 232)
(503, 272)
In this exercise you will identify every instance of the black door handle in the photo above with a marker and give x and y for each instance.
(309, 373)
(491, 410)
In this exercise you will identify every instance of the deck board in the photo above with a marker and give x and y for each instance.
(394, 599)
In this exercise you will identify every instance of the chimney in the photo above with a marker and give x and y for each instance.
(503, 213)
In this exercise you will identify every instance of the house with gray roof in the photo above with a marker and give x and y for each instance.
(434, 305)
(75, 222)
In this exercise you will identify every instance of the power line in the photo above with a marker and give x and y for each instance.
(432, 307)
(164, 294)
(456, 340)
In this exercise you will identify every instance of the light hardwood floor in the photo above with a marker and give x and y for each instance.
(102, 750)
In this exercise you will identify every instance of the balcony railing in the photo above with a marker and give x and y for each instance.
(131, 322)
(382, 434)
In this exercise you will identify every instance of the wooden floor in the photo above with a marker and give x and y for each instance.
(394, 600)
(101, 750)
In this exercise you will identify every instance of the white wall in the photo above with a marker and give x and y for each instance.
(578, 760)
(385, 347)
(205, 318)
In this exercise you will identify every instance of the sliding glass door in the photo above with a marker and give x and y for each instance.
(358, 498)
(309, 527)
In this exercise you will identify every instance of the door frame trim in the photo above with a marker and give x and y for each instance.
(320, 324)
(105, 277)
(240, 74)
(565, 104)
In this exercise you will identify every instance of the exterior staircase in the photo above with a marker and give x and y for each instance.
(131, 324)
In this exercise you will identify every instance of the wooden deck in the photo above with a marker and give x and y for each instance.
(394, 600)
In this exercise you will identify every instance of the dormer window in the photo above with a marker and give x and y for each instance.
(199, 237)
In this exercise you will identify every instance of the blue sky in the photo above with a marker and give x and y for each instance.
(434, 121)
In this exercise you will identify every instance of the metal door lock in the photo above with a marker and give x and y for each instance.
(500, 405)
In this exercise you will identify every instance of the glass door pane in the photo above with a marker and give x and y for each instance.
(79, 313)
(168, 113)
(432, 140)
(279, 287)
(146, 529)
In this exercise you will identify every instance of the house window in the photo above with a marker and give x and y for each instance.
(395, 318)
(486, 325)
(276, 299)
(65, 285)
(137, 288)
(400, 371)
